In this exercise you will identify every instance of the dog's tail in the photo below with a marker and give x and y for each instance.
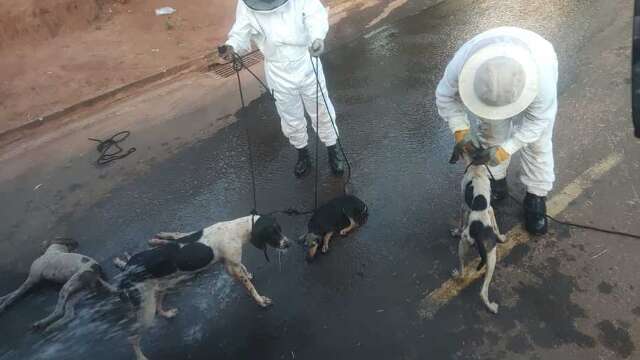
(482, 236)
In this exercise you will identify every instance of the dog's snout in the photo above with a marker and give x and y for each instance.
(284, 242)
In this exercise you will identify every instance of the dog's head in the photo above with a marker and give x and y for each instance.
(69, 243)
(310, 242)
(267, 231)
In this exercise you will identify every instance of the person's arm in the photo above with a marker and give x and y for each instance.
(448, 100)
(316, 19)
(241, 31)
(537, 116)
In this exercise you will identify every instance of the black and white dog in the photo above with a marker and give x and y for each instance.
(175, 256)
(78, 273)
(478, 226)
(341, 214)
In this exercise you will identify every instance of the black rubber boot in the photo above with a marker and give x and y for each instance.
(499, 189)
(335, 160)
(303, 164)
(535, 210)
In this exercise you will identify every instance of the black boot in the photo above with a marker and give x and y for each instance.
(303, 164)
(335, 160)
(535, 210)
(499, 189)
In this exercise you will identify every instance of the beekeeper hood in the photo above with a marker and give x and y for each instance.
(499, 81)
(264, 5)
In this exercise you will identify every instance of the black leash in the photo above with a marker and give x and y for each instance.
(106, 148)
(238, 65)
(315, 203)
(333, 124)
(564, 222)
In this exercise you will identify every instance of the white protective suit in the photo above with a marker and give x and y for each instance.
(283, 36)
(532, 130)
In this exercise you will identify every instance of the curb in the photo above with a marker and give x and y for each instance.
(18, 133)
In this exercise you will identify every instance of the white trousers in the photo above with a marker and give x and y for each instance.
(536, 157)
(294, 88)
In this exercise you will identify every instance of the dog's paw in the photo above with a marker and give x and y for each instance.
(265, 302)
(154, 242)
(325, 249)
(169, 314)
(456, 274)
(39, 326)
(165, 236)
(455, 233)
(493, 307)
(502, 238)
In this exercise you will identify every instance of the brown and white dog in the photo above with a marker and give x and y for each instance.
(175, 256)
(78, 273)
(478, 226)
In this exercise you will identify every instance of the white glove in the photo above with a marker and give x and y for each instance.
(317, 47)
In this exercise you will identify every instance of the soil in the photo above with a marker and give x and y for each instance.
(54, 53)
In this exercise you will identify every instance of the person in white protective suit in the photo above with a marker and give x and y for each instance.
(287, 32)
(506, 80)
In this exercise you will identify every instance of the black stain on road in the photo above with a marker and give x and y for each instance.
(74, 187)
(615, 338)
(519, 344)
(605, 288)
(552, 314)
(517, 254)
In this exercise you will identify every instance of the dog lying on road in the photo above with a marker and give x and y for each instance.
(478, 227)
(78, 273)
(147, 275)
(341, 214)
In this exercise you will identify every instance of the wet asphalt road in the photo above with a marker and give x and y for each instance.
(360, 300)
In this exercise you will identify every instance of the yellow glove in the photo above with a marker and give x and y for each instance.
(501, 155)
(491, 156)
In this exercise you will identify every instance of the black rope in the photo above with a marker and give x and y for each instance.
(238, 65)
(333, 124)
(315, 204)
(569, 223)
(106, 148)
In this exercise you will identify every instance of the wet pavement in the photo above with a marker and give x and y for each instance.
(361, 300)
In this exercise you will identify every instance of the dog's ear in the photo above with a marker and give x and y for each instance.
(455, 156)
(68, 242)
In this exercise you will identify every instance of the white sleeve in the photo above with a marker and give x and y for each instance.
(538, 116)
(316, 19)
(448, 100)
(241, 31)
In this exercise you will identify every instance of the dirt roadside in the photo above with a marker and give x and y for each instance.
(63, 60)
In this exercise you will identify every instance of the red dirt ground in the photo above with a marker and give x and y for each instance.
(54, 53)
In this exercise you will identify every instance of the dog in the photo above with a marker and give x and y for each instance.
(175, 256)
(478, 226)
(341, 214)
(79, 273)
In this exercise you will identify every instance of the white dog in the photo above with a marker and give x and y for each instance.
(58, 264)
(478, 226)
(148, 274)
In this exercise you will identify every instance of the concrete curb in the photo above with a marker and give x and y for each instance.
(20, 132)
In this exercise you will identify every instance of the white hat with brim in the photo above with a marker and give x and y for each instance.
(264, 5)
(467, 81)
